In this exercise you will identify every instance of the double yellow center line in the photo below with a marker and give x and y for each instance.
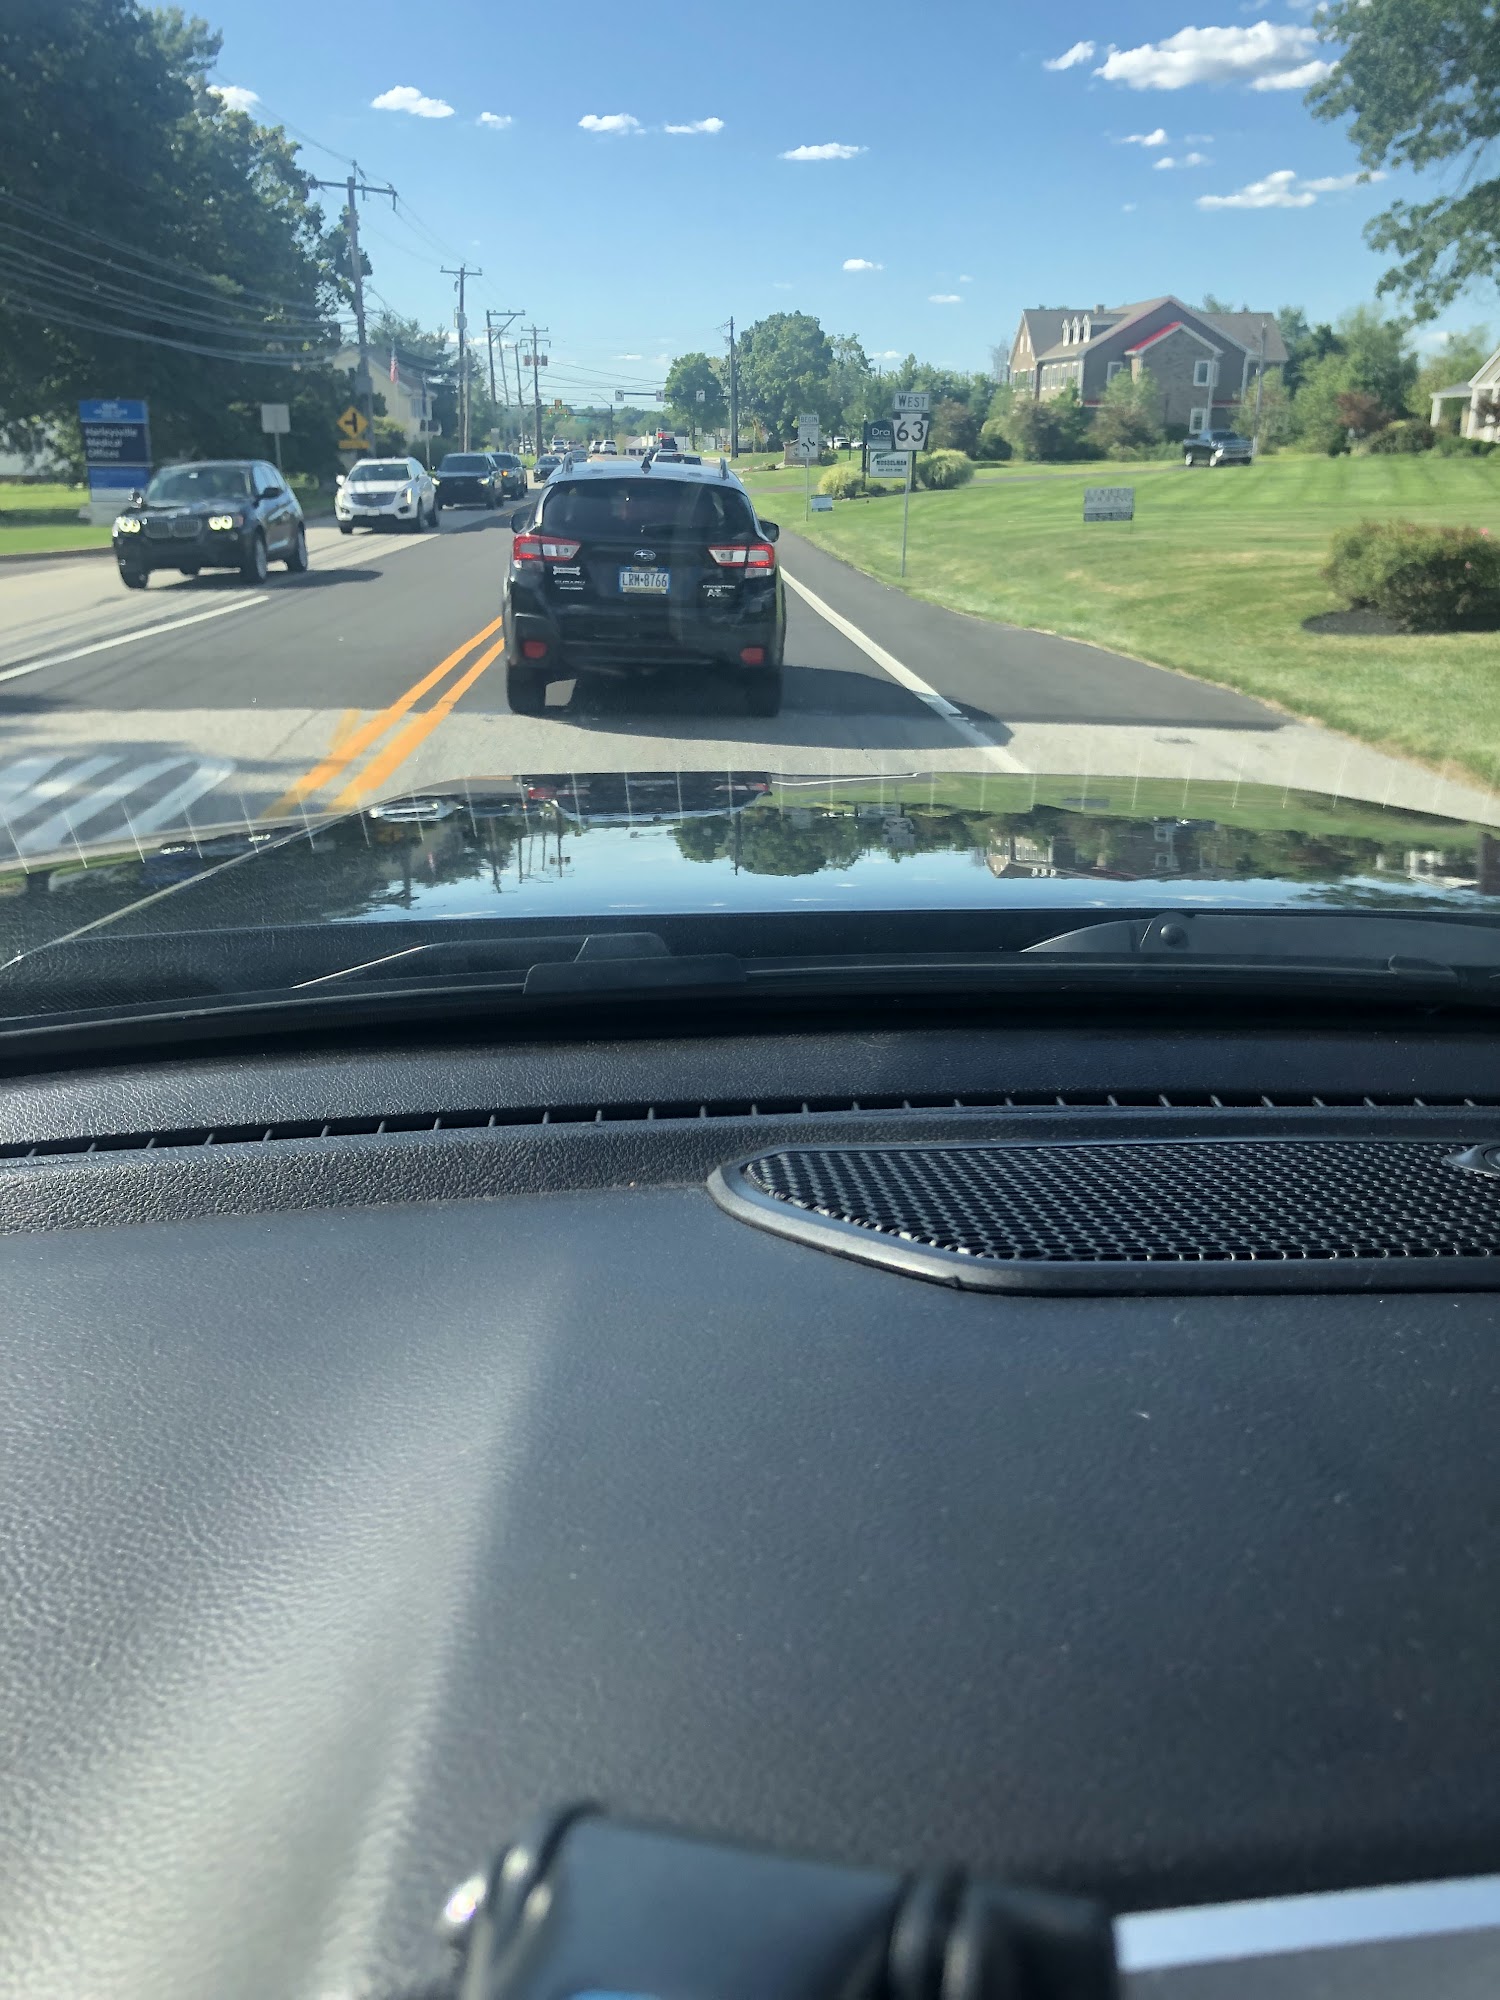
(351, 746)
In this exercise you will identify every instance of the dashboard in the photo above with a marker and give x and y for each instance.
(401, 1442)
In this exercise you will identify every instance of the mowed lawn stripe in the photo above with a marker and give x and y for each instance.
(1214, 576)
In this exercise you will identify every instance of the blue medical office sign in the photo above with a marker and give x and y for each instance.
(116, 447)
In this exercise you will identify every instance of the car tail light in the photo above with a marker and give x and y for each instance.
(760, 555)
(739, 555)
(753, 656)
(534, 649)
(543, 548)
(730, 558)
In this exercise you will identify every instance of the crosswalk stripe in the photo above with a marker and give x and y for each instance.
(208, 774)
(70, 779)
(18, 778)
(65, 823)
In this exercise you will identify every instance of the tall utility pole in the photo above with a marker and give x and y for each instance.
(462, 274)
(734, 394)
(536, 387)
(506, 315)
(364, 388)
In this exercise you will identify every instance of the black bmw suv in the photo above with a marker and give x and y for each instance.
(628, 567)
(231, 513)
(467, 479)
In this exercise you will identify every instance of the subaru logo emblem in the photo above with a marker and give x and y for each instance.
(645, 555)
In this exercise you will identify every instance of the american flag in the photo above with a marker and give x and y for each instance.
(394, 376)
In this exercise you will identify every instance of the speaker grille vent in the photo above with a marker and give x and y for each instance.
(1235, 1207)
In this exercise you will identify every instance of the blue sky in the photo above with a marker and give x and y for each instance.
(969, 158)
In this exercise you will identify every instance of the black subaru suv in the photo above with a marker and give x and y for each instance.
(627, 567)
(230, 513)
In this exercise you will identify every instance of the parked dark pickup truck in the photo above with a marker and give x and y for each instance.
(1216, 448)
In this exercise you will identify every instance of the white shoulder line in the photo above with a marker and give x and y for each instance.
(939, 703)
(128, 638)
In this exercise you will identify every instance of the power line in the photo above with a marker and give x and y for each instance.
(43, 309)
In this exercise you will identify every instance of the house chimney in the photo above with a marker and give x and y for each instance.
(1100, 307)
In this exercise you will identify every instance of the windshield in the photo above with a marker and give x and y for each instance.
(636, 506)
(181, 484)
(1104, 407)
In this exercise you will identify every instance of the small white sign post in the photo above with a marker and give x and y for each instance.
(910, 423)
(809, 444)
(276, 421)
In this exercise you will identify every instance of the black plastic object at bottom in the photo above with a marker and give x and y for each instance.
(591, 1906)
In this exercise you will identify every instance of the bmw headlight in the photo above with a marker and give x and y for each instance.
(127, 524)
(222, 521)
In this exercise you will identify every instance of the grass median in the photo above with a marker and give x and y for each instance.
(1215, 576)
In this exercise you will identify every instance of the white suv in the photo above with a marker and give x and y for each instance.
(386, 493)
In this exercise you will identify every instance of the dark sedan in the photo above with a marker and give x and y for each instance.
(234, 513)
(467, 479)
(510, 473)
(630, 567)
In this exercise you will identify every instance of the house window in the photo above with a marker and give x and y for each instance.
(1203, 374)
(1197, 420)
(1112, 371)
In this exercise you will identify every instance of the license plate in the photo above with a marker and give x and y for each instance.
(645, 582)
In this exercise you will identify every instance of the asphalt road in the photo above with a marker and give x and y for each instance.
(204, 703)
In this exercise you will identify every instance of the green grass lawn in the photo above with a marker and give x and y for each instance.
(34, 519)
(1214, 576)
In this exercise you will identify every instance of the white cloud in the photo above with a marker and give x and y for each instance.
(888, 354)
(1127, 208)
(832, 151)
(964, 278)
(630, 357)
(1156, 138)
(494, 121)
(1070, 58)
(1284, 189)
(944, 299)
(1303, 77)
(406, 97)
(1166, 163)
(861, 264)
(1266, 55)
(234, 96)
(1197, 138)
(611, 121)
(781, 285)
(698, 125)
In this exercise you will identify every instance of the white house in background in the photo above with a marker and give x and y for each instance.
(1480, 396)
(408, 400)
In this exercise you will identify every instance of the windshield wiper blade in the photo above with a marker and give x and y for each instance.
(1260, 939)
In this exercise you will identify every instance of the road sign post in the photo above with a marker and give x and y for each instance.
(117, 451)
(276, 421)
(809, 443)
(911, 459)
(910, 423)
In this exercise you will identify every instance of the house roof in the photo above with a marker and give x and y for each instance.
(1173, 326)
(1457, 389)
(1045, 324)
(1244, 328)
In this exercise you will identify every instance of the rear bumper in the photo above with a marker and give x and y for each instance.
(625, 646)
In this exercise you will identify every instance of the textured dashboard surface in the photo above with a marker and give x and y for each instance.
(332, 1545)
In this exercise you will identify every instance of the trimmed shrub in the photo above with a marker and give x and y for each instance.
(940, 469)
(1447, 445)
(1429, 579)
(845, 482)
(1405, 434)
(993, 443)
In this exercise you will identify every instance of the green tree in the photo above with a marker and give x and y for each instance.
(155, 243)
(1420, 80)
(955, 427)
(690, 376)
(785, 368)
(1305, 343)
(1127, 423)
(1270, 417)
(1056, 429)
(850, 380)
(1382, 362)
